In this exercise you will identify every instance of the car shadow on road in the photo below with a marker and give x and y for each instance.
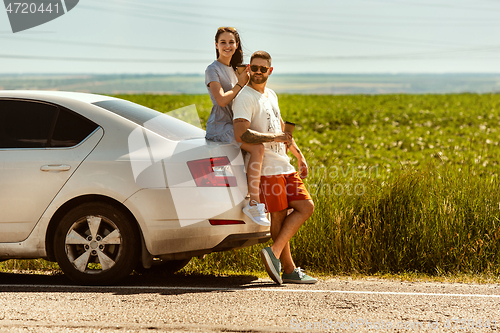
(165, 284)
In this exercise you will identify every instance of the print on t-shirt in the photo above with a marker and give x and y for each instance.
(273, 126)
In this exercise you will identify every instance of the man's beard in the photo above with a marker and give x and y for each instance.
(258, 79)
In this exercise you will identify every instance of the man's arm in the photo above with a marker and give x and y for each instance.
(243, 133)
(303, 168)
(295, 150)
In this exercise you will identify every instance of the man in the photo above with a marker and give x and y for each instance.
(257, 119)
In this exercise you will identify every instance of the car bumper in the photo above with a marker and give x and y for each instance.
(169, 229)
(231, 242)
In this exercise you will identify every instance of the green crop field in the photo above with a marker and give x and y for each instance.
(401, 183)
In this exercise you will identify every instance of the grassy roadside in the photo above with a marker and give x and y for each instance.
(42, 267)
(31, 266)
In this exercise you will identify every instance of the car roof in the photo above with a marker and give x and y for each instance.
(54, 96)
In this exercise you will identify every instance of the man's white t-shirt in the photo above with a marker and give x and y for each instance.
(264, 116)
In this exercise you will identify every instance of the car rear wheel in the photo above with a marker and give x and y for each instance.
(96, 244)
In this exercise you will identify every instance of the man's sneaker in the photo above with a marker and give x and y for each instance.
(298, 276)
(273, 265)
(257, 213)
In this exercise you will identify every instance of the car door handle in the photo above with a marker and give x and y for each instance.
(55, 167)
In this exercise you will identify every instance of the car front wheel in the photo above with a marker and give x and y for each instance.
(96, 244)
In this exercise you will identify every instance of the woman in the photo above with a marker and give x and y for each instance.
(223, 85)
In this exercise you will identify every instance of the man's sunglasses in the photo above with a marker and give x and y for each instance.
(263, 69)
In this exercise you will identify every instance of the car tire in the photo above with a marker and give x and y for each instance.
(96, 244)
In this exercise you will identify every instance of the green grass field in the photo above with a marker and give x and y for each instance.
(402, 183)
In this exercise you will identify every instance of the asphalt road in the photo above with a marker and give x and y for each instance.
(34, 303)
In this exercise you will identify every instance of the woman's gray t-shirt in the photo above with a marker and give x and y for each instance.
(220, 121)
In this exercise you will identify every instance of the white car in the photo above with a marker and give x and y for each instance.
(102, 185)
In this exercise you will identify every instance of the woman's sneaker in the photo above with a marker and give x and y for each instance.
(298, 276)
(257, 213)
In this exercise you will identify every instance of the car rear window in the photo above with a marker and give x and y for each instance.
(162, 124)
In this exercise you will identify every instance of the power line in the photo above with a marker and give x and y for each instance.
(87, 59)
(120, 46)
(315, 14)
(106, 45)
(401, 56)
(289, 31)
(492, 48)
(311, 33)
(413, 55)
(423, 4)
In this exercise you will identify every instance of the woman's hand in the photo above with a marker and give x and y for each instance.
(243, 77)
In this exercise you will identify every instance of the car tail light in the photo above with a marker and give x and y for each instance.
(212, 172)
(226, 222)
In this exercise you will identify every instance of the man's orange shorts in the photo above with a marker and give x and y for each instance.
(278, 190)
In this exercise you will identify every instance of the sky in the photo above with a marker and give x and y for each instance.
(315, 36)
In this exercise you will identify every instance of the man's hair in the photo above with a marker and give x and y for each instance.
(262, 55)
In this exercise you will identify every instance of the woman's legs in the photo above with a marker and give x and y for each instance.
(253, 170)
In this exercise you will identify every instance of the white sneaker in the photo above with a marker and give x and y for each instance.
(257, 213)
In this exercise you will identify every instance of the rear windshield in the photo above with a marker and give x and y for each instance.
(162, 124)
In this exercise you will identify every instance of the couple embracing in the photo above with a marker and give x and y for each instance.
(246, 113)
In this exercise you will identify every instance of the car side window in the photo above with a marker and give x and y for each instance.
(25, 124)
(71, 129)
(31, 124)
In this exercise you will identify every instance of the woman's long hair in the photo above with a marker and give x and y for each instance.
(237, 57)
